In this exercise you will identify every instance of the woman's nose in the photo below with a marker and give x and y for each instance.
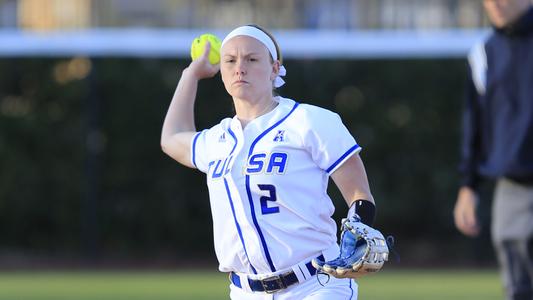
(239, 69)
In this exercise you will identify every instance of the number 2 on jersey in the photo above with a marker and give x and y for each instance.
(265, 209)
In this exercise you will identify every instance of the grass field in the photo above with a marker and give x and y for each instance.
(203, 285)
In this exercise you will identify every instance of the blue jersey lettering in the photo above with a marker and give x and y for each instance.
(255, 163)
(265, 209)
(278, 160)
(261, 162)
(222, 167)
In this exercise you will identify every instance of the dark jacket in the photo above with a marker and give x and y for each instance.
(498, 115)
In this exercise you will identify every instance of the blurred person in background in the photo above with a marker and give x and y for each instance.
(498, 141)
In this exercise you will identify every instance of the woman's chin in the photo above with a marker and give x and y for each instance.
(241, 94)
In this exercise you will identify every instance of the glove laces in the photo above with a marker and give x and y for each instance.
(390, 243)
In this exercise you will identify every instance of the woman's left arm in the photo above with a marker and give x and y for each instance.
(363, 249)
(352, 181)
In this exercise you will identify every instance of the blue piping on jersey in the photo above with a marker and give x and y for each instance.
(237, 224)
(350, 151)
(194, 149)
(351, 296)
(232, 207)
(235, 138)
(248, 191)
(270, 128)
(235, 279)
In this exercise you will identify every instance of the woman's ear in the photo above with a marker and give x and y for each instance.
(275, 70)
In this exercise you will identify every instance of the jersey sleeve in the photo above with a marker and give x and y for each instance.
(199, 152)
(329, 141)
(204, 144)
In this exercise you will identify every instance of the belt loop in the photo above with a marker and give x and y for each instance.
(305, 271)
(299, 273)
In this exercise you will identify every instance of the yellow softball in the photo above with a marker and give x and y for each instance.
(198, 47)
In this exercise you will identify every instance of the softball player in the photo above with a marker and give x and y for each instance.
(267, 173)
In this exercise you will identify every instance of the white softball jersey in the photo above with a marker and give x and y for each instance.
(268, 185)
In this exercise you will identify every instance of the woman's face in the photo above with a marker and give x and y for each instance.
(246, 68)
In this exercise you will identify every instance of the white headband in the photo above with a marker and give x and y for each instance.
(265, 40)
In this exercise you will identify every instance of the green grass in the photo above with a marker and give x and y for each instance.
(431, 285)
(136, 285)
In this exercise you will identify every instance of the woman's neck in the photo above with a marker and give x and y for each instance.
(248, 110)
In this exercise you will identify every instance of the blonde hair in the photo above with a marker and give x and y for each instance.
(278, 51)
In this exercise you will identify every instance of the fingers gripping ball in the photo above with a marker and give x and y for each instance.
(198, 47)
(363, 251)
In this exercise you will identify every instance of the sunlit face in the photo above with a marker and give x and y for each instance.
(246, 68)
(504, 12)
